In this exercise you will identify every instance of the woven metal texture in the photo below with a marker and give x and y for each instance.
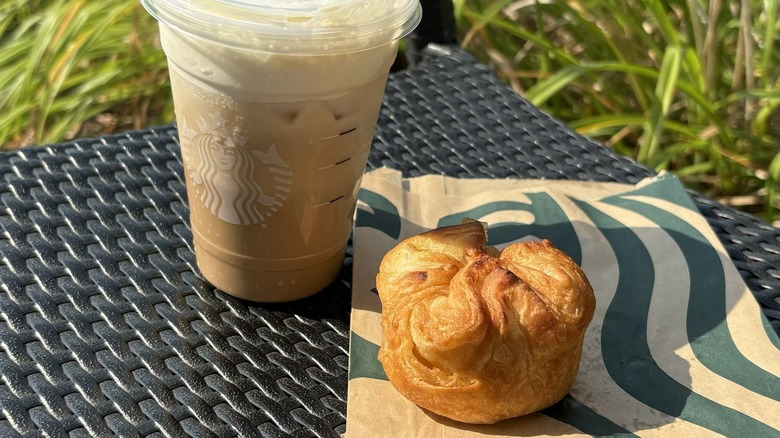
(106, 327)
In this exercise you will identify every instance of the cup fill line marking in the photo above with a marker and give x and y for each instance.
(348, 131)
(329, 202)
(335, 164)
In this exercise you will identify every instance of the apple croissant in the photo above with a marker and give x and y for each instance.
(476, 335)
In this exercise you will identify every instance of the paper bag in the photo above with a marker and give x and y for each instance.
(677, 346)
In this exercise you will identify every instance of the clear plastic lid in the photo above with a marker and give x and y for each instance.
(291, 26)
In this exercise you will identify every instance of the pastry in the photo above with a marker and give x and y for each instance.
(480, 336)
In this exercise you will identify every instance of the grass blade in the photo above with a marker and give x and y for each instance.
(665, 89)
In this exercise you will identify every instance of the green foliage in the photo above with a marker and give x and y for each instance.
(63, 63)
(687, 86)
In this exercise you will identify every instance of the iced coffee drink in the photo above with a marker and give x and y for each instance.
(275, 131)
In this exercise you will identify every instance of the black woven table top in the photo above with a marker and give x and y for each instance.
(107, 329)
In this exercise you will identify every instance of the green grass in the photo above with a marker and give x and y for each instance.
(691, 87)
(687, 86)
(66, 66)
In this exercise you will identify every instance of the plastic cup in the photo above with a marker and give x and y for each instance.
(276, 108)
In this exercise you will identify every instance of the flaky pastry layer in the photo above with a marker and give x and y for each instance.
(480, 336)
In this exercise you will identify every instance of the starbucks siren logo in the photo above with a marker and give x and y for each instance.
(239, 186)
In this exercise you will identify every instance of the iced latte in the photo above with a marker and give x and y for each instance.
(275, 130)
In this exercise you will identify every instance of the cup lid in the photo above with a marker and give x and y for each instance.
(297, 27)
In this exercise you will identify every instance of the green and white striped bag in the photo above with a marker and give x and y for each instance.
(677, 347)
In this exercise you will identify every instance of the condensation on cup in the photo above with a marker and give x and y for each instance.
(276, 108)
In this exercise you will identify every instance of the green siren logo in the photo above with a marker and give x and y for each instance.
(238, 185)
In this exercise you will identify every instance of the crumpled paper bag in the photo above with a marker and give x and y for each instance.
(677, 347)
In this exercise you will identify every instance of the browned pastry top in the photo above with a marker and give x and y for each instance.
(480, 336)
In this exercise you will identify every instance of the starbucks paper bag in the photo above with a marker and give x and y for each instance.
(677, 347)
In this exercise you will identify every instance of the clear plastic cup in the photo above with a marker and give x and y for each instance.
(276, 108)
